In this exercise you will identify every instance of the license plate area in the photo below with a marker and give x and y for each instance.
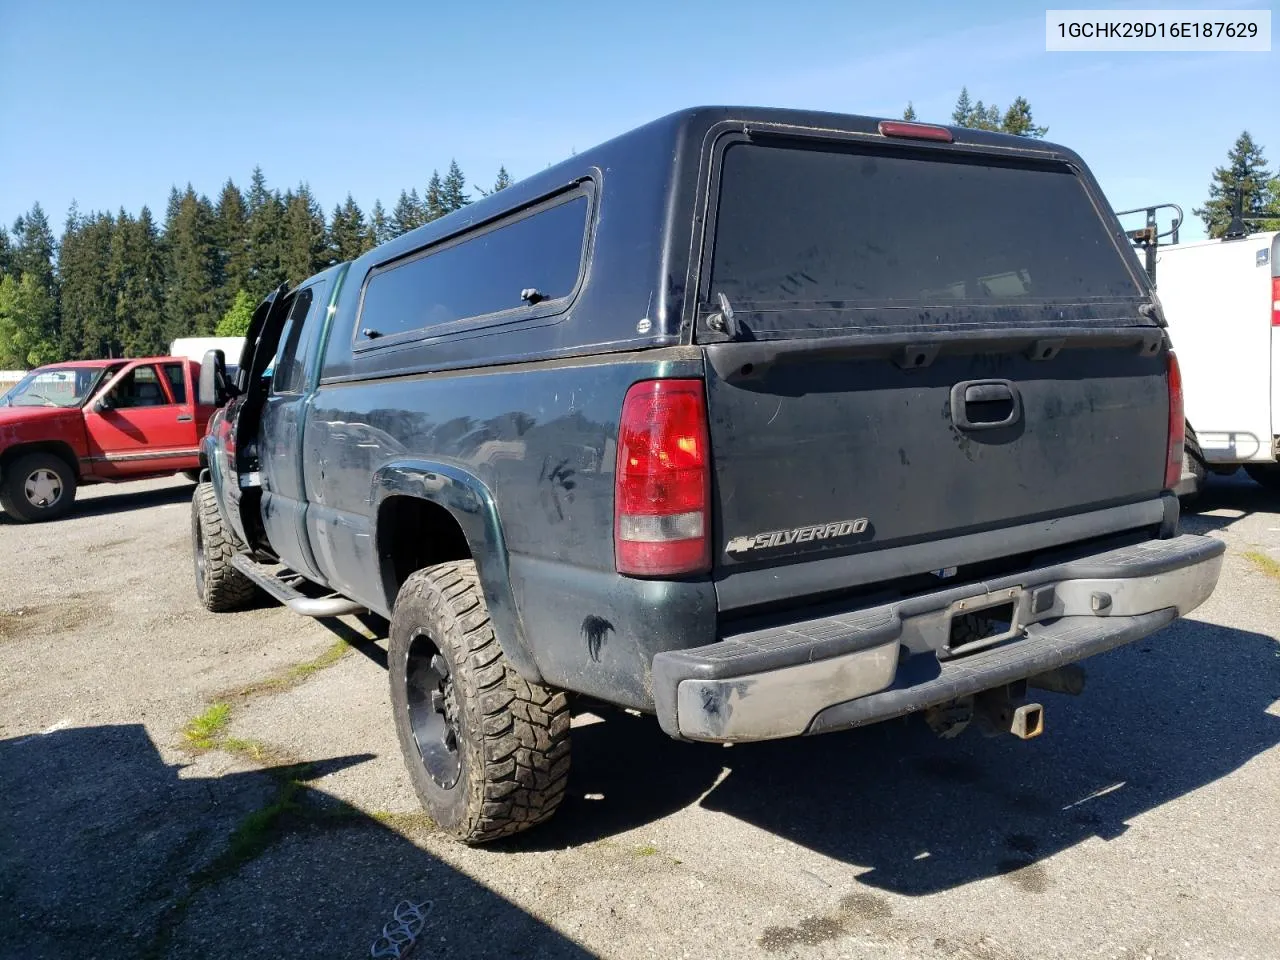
(976, 623)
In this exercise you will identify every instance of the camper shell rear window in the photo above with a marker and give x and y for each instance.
(886, 236)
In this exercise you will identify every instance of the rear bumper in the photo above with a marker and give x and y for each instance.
(857, 668)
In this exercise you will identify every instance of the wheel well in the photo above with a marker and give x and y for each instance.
(55, 447)
(412, 534)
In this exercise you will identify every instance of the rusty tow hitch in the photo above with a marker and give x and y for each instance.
(1006, 710)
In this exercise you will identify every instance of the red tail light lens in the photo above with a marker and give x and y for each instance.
(913, 131)
(1177, 425)
(1275, 301)
(662, 523)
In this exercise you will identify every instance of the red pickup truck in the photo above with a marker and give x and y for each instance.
(96, 421)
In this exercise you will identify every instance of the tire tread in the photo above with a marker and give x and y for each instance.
(225, 587)
(523, 727)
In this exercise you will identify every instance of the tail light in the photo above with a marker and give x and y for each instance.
(1177, 425)
(1275, 301)
(662, 523)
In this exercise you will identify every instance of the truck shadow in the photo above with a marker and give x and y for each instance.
(106, 852)
(1236, 496)
(1158, 719)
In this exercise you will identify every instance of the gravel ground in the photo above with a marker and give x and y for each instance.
(1144, 824)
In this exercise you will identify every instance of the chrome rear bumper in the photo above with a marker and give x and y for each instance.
(853, 669)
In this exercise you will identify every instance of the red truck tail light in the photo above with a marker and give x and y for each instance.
(662, 521)
(1177, 425)
(1275, 301)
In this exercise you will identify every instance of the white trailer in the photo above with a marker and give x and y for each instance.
(1222, 302)
(195, 348)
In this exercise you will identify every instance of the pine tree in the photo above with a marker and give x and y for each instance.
(71, 266)
(379, 226)
(434, 200)
(305, 248)
(137, 276)
(1017, 120)
(33, 247)
(121, 269)
(6, 253)
(235, 322)
(452, 191)
(983, 117)
(33, 254)
(232, 232)
(979, 116)
(502, 181)
(348, 233)
(11, 355)
(1246, 169)
(266, 232)
(910, 112)
(408, 213)
(28, 322)
(191, 266)
(86, 296)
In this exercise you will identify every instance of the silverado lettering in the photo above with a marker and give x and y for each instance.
(775, 538)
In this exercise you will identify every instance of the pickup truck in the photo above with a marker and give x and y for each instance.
(96, 421)
(767, 423)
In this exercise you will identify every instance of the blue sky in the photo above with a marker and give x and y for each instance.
(111, 104)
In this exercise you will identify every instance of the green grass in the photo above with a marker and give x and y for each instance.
(1267, 565)
(204, 730)
(255, 750)
(290, 677)
(648, 850)
(257, 831)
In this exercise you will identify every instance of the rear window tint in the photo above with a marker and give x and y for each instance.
(481, 275)
(836, 226)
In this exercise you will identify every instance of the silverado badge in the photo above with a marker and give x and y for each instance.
(782, 538)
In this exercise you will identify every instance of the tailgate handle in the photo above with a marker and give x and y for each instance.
(985, 404)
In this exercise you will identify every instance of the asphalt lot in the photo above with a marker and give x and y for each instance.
(1144, 824)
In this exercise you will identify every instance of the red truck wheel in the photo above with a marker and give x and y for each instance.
(38, 487)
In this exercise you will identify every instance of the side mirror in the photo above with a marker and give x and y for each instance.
(213, 389)
(104, 404)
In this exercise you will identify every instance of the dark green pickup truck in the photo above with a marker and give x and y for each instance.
(768, 423)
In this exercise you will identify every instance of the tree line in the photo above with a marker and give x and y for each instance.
(125, 285)
(1016, 119)
(121, 284)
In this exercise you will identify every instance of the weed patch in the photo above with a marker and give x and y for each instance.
(204, 730)
(290, 677)
(1264, 563)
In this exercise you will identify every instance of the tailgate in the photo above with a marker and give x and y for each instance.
(919, 344)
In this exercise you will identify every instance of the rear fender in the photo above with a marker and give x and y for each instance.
(471, 505)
